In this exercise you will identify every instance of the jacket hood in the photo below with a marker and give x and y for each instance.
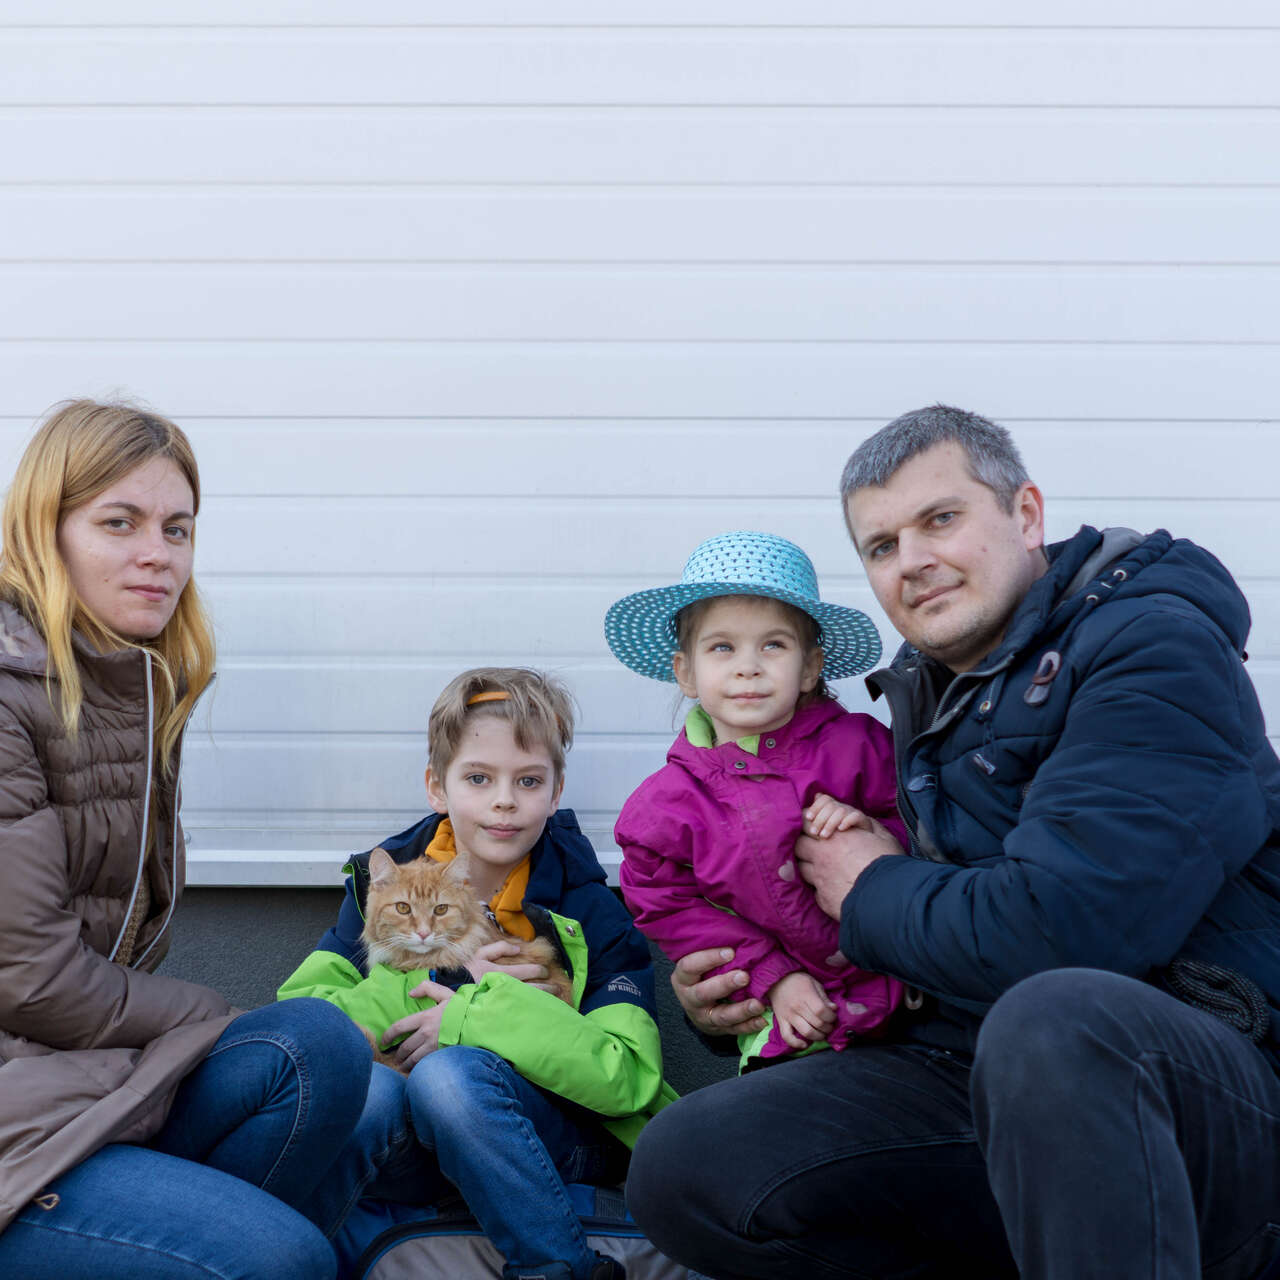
(120, 672)
(22, 647)
(1094, 567)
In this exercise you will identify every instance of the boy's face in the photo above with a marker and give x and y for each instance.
(498, 798)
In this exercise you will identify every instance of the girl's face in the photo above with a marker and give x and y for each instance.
(747, 666)
(128, 551)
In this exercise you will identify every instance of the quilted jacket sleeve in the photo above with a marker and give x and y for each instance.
(1146, 804)
(54, 988)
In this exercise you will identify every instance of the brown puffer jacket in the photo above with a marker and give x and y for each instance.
(91, 1051)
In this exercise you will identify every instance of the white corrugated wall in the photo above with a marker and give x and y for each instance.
(481, 315)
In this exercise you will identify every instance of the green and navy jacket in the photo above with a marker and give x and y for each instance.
(604, 1055)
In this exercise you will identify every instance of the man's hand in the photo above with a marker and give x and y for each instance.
(832, 865)
(801, 1011)
(421, 1030)
(826, 815)
(706, 1000)
(488, 959)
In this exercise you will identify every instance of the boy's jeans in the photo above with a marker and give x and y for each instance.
(252, 1130)
(466, 1122)
(1104, 1130)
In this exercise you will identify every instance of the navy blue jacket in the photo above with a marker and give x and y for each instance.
(1099, 793)
(565, 877)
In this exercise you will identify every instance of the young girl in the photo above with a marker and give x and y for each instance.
(766, 755)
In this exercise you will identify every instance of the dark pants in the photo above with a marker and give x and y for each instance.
(1105, 1130)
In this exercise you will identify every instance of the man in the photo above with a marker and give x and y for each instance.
(1094, 813)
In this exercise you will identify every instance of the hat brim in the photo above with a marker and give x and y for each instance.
(640, 628)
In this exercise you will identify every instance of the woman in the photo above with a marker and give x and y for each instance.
(145, 1129)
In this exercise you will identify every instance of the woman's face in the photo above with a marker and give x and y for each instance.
(128, 550)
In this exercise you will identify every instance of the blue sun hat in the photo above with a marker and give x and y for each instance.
(641, 631)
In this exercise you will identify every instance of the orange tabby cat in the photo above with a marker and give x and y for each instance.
(423, 915)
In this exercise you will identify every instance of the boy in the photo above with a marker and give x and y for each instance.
(507, 1092)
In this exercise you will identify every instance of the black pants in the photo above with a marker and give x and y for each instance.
(1105, 1131)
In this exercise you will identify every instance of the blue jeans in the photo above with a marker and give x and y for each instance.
(465, 1121)
(1104, 1130)
(251, 1132)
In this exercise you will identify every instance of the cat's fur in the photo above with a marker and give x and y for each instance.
(423, 915)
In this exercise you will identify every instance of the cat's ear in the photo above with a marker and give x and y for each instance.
(458, 870)
(381, 867)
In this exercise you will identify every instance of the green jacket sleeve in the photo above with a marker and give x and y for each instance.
(374, 1002)
(608, 1060)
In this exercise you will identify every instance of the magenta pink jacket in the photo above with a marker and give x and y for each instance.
(708, 855)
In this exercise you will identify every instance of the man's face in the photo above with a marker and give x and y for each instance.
(948, 564)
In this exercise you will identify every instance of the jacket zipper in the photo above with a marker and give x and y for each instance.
(146, 806)
(944, 713)
(177, 808)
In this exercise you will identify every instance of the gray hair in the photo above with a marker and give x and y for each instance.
(993, 457)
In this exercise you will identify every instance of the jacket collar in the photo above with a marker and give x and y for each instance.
(1074, 564)
(807, 721)
(23, 649)
(561, 859)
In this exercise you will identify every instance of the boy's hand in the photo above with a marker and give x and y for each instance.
(421, 1030)
(488, 959)
(826, 815)
(801, 1009)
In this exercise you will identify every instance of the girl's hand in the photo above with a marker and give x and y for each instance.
(826, 815)
(801, 1009)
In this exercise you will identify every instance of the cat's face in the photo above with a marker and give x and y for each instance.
(420, 908)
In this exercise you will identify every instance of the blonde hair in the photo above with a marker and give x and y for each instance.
(81, 449)
(537, 706)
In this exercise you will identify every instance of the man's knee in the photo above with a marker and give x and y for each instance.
(1060, 1033)
(679, 1152)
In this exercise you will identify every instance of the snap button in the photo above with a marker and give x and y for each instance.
(787, 871)
(984, 706)
(571, 931)
(770, 742)
(739, 764)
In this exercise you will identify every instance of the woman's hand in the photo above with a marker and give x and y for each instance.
(706, 1000)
